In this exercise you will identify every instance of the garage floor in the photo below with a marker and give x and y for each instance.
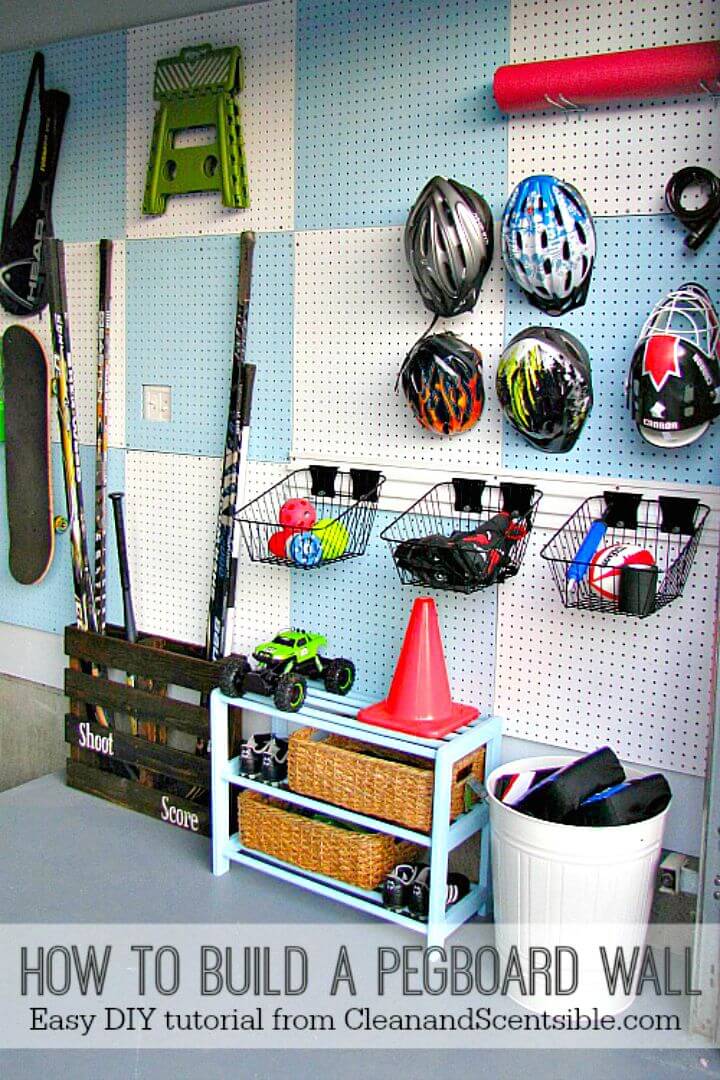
(84, 865)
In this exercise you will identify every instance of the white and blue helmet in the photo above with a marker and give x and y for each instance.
(548, 243)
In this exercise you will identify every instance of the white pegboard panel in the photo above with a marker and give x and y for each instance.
(83, 276)
(357, 312)
(172, 503)
(620, 156)
(551, 29)
(584, 679)
(261, 475)
(266, 35)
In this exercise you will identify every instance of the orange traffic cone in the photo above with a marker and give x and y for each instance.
(419, 701)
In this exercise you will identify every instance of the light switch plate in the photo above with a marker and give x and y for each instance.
(156, 403)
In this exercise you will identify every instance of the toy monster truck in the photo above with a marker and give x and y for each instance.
(283, 667)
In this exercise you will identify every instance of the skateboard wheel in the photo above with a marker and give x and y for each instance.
(60, 523)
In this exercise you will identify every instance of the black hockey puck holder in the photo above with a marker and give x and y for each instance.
(669, 527)
(346, 501)
(461, 506)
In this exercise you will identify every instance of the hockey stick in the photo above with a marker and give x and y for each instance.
(67, 419)
(234, 462)
(222, 592)
(101, 439)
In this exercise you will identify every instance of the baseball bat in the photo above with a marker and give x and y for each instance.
(128, 612)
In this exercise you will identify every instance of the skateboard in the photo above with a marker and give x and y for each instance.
(28, 469)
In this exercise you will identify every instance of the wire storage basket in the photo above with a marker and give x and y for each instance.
(463, 536)
(337, 525)
(626, 555)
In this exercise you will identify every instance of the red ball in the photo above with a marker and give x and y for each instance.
(297, 514)
(277, 544)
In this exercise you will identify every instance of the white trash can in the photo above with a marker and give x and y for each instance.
(580, 887)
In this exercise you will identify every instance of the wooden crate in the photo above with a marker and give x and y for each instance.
(140, 771)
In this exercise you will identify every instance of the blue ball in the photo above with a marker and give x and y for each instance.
(305, 549)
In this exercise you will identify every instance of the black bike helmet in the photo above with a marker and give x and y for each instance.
(674, 380)
(545, 387)
(442, 381)
(449, 245)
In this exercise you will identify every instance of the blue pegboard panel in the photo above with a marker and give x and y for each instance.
(50, 605)
(270, 346)
(181, 298)
(90, 190)
(389, 93)
(363, 610)
(639, 259)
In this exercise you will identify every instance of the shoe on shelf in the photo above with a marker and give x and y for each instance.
(456, 888)
(251, 753)
(396, 886)
(275, 761)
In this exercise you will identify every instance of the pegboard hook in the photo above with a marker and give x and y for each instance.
(715, 94)
(621, 509)
(468, 494)
(564, 104)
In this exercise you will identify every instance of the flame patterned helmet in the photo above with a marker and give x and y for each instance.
(442, 381)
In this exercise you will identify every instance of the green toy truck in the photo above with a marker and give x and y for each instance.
(283, 667)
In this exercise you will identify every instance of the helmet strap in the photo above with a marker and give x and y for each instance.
(430, 327)
(407, 354)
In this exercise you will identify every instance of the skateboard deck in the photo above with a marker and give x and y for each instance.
(28, 469)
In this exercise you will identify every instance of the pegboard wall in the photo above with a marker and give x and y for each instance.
(83, 278)
(180, 323)
(580, 679)
(348, 108)
(619, 155)
(357, 314)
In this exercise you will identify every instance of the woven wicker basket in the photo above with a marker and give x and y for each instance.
(358, 858)
(384, 784)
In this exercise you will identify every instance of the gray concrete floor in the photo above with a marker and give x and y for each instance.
(352, 1065)
(83, 862)
(31, 730)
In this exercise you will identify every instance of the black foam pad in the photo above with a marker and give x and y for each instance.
(624, 804)
(560, 795)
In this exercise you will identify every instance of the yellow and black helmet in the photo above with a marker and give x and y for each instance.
(544, 384)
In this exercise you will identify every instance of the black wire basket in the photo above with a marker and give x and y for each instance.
(463, 536)
(345, 505)
(625, 555)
